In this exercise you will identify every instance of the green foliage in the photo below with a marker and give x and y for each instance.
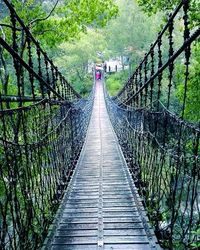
(95, 13)
(114, 82)
(121, 37)
(123, 34)
(12, 90)
(80, 52)
(154, 6)
(68, 19)
(192, 107)
(74, 59)
(196, 244)
(83, 87)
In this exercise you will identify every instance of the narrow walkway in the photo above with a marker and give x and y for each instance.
(102, 209)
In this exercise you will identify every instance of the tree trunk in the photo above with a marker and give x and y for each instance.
(122, 62)
(4, 76)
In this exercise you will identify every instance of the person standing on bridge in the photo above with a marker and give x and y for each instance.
(105, 67)
(98, 75)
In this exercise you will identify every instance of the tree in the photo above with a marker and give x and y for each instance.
(54, 22)
(193, 95)
(74, 57)
(124, 35)
(154, 6)
(192, 106)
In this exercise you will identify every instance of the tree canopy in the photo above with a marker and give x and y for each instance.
(153, 6)
(123, 34)
(53, 22)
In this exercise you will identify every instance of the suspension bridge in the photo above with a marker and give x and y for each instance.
(99, 172)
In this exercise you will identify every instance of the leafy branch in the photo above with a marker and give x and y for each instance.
(44, 18)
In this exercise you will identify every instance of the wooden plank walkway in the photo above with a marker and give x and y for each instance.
(101, 209)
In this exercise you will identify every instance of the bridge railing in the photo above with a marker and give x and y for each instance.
(156, 76)
(39, 148)
(27, 73)
(160, 145)
(167, 176)
(43, 123)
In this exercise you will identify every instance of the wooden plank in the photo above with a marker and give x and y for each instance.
(75, 247)
(141, 246)
(74, 240)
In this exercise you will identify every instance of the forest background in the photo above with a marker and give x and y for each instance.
(77, 34)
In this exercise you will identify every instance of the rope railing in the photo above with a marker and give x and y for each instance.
(43, 123)
(39, 147)
(146, 86)
(160, 144)
(167, 176)
(32, 74)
